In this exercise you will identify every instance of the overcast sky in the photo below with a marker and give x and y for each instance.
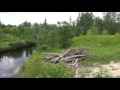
(16, 18)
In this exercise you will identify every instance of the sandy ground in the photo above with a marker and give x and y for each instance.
(112, 69)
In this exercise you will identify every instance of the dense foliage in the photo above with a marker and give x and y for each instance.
(37, 68)
(59, 35)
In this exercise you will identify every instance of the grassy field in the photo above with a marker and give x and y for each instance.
(104, 47)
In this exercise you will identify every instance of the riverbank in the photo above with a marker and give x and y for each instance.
(104, 47)
(11, 42)
(11, 61)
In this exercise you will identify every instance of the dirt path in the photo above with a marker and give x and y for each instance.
(112, 69)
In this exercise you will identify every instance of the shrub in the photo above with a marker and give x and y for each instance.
(15, 44)
(37, 68)
(12, 44)
(105, 32)
(89, 32)
(42, 47)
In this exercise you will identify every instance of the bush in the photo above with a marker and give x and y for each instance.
(12, 44)
(93, 30)
(105, 32)
(89, 32)
(42, 47)
(3, 48)
(37, 68)
(117, 34)
(15, 44)
(28, 42)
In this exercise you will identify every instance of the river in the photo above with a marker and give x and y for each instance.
(11, 61)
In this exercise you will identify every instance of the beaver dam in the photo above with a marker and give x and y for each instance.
(71, 57)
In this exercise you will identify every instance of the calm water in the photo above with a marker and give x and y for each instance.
(11, 61)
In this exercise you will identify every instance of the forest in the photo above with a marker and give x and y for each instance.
(101, 34)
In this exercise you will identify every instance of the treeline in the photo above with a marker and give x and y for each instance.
(59, 35)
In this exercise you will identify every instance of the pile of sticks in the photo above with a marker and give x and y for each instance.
(71, 57)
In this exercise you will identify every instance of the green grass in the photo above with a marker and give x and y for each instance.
(104, 47)
(37, 68)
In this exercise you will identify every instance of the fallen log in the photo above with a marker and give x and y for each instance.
(51, 53)
(71, 57)
(74, 56)
(74, 63)
(60, 57)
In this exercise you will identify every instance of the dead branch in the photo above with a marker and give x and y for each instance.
(71, 57)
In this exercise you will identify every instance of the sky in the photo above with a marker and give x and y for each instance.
(16, 18)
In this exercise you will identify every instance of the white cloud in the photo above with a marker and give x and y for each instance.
(16, 18)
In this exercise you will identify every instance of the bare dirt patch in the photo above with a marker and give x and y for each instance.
(112, 69)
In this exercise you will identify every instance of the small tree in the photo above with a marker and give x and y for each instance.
(90, 32)
(93, 30)
(105, 32)
(1, 33)
(42, 39)
(52, 38)
(64, 35)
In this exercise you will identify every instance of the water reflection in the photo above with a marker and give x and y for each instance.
(11, 61)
